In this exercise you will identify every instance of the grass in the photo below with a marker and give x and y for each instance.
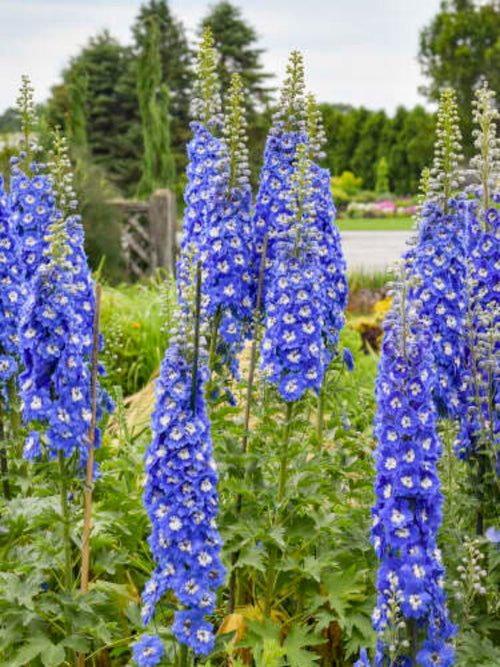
(372, 280)
(375, 224)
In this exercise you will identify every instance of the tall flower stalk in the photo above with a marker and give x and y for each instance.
(411, 619)
(272, 215)
(181, 491)
(479, 435)
(439, 259)
(228, 282)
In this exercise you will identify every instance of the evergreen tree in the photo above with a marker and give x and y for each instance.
(459, 47)
(158, 166)
(76, 125)
(365, 155)
(235, 42)
(176, 72)
(111, 107)
(382, 182)
(9, 121)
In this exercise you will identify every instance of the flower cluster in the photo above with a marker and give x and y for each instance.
(293, 351)
(33, 208)
(273, 215)
(148, 651)
(204, 190)
(480, 421)
(11, 290)
(407, 514)
(207, 163)
(228, 282)
(181, 500)
(56, 338)
(332, 265)
(439, 267)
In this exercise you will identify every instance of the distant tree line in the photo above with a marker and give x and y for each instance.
(358, 139)
(112, 97)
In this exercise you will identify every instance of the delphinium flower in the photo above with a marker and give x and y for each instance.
(56, 332)
(148, 651)
(11, 291)
(272, 215)
(31, 198)
(331, 258)
(207, 162)
(411, 619)
(294, 354)
(181, 490)
(438, 259)
(228, 283)
(479, 435)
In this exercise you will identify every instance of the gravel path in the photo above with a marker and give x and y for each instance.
(373, 251)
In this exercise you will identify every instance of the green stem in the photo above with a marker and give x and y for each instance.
(213, 339)
(321, 414)
(183, 656)
(270, 578)
(4, 465)
(284, 454)
(246, 423)
(194, 373)
(68, 568)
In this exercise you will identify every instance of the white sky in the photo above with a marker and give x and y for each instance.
(361, 52)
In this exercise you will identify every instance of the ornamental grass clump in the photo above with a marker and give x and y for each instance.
(181, 491)
(411, 618)
(56, 333)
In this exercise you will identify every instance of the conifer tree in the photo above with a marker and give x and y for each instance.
(158, 166)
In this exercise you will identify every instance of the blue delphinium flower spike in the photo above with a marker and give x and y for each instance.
(407, 513)
(56, 327)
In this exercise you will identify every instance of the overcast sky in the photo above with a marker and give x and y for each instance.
(356, 51)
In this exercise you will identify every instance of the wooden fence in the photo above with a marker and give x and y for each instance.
(148, 236)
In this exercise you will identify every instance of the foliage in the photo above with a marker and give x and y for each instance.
(382, 173)
(459, 47)
(111, 107)
(135, 332)
(358, 138)
(158, 167)
(235, 42)
(9, 121)
(176, 67)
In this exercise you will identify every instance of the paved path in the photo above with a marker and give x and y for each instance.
(373, 251)
(370, 251)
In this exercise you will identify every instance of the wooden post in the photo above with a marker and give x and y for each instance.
(162, 225)
(148, 236)
(84, 584)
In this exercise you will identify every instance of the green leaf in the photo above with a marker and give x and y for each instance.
(53, 655)
(296, 644)
(252, 556)
(312, 566)
(30, 651)
(77, 643)
(256, 632)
